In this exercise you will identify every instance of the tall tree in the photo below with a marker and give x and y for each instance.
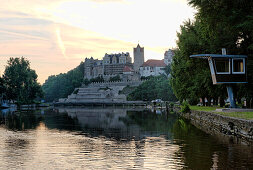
(218, 24)
(154, 88)
(229, 24)
(21, 81)
(191, 78)
(61, 85)
(2, 89)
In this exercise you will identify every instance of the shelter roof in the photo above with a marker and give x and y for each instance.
(206, 56)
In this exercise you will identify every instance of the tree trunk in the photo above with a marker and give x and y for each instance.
(203, 101)
(222, 103)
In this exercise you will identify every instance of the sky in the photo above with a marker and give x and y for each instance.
(56, 35)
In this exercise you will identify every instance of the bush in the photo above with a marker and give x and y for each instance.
(86, 82)
(185, 107)
(76, 91)
(171, 105)
(115, 78)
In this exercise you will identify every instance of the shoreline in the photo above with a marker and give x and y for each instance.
(236, 130)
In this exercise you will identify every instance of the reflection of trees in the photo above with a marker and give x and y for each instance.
(61, 121)
(202, 151)
(196, 145)
(151, 122)
(21, 120)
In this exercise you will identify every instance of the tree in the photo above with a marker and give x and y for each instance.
(62, 85)
(208, 33)
(154, 88)
(191, 78)
(21, 81)
(167, 69)
(115, 78)
(2, 88)
(231, 29)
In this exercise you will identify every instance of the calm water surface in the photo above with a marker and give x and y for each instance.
(83, 138)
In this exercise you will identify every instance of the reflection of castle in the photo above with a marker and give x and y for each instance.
(121, 64)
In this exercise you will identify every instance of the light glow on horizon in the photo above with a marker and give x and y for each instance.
(57, 35)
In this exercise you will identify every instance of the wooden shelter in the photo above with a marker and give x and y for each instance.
(226, 69)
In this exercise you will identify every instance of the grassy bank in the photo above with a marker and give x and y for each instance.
(242, 115)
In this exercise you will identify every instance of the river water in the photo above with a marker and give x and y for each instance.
(109, 138)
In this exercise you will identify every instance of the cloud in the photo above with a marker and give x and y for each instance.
(56, 35)
(51, 47)
(60, 42)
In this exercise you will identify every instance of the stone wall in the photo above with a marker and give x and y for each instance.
(216, 124)
(117, 83)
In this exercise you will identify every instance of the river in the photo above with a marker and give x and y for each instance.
(112, 138)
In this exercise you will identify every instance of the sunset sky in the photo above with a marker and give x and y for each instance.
(56, 35)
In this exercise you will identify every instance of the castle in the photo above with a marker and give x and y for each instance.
(121, 64)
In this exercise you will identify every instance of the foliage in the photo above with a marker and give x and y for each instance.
(61, 85)
(86, 82)
(171, 105)
(115, 78)
(21, 81)
(191, 78)
(185, 107)
(76, 91)
(127, 90)
(208, 33)
(2, 88)
(146, 78)
(167, 69)
(242, 115)
(203, 108)
(154, 88)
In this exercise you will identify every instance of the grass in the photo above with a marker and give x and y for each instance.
(203, 108)
(242, 115)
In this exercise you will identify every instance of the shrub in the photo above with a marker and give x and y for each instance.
(76, 91)
(171, 105)
(185, 107)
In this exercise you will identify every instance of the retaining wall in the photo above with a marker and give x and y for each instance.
(216, 124)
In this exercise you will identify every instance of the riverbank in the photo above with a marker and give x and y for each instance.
(236, 129)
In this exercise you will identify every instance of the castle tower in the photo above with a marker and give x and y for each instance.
(138, 57)
(168, 55)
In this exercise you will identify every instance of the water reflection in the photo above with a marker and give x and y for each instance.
(109, 138)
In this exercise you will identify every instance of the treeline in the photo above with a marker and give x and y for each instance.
(217, 24)
(60, 86)
(18, 83)
(153, 88)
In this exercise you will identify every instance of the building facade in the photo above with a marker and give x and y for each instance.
(93, 68)
(138, 57)
(152, 68)
(168, 55)
(111, 65)
(115, 63)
